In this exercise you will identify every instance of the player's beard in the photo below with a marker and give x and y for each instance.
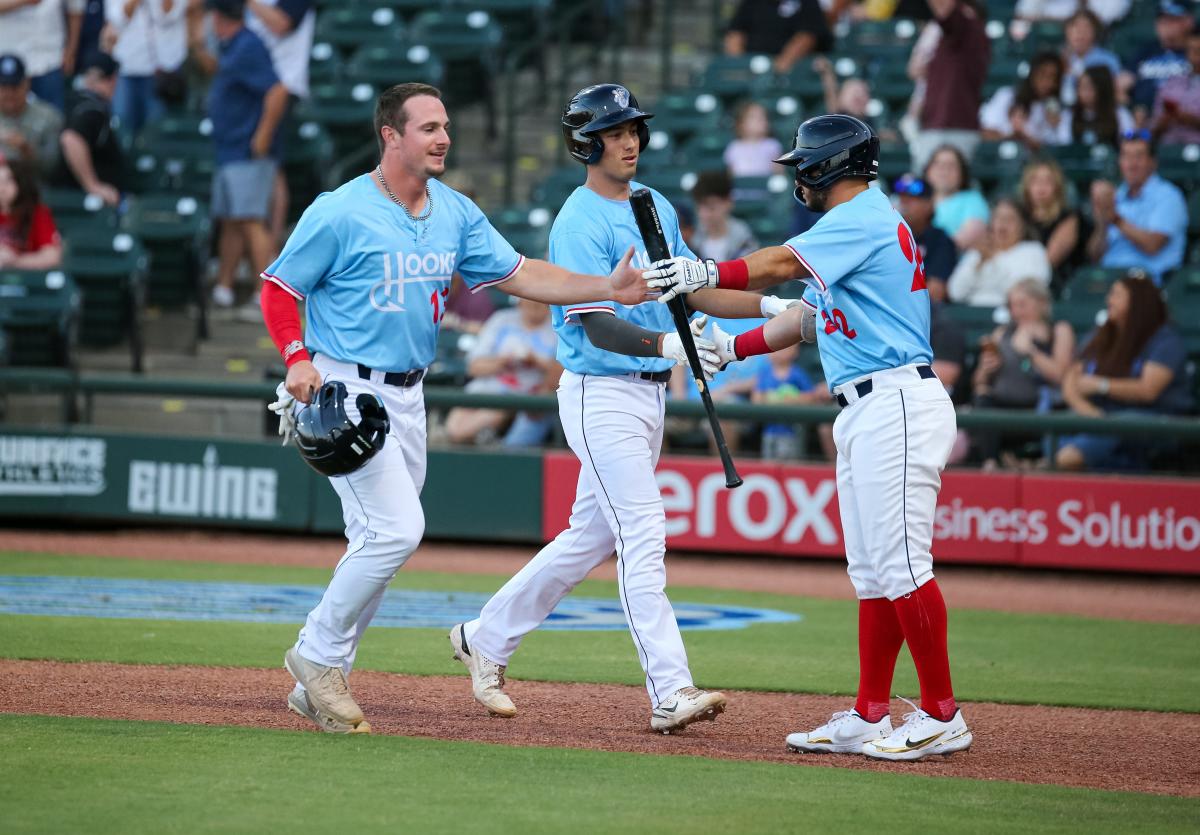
(816, 201)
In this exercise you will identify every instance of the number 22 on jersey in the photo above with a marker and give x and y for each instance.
(836, 320)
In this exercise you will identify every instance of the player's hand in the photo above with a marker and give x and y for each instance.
(772, 306)
(678, 275)
(672, 349)
(724, 346)
(302, 381)
(284, 408)
(628, 286)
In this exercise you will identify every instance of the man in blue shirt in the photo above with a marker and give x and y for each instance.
(1163, 59)
(246, 104)
(1143, 223)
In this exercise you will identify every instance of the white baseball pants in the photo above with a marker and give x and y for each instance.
(381, 505)
(615, 426)
(892, 447)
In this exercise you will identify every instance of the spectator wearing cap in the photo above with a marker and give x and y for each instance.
(151, 45)
(28, 237)
(1143, 222)
(92, 158)
(719, 235)
(937, 250)
(246, 103)
(1164, 58)
(44, 34)
(953, 80)
(29, 128)
(1081, 50)
(1029, 112)
(1177, 106)
(788, 30)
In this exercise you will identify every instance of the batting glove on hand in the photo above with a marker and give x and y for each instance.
(724, 346)
(284, 407)
(672, 349)
(679, 275)
(772, 306)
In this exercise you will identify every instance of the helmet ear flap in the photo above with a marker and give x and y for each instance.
(643, 134)
(373, 419)
(597, 150)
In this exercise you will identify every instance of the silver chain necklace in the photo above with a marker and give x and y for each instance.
(428, 197)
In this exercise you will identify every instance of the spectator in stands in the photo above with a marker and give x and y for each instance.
(514, 354)
(1021, 364)
(1135, 363)
(1163, 59)
(92, 158)
(1177, 106)
(1053, 222)
(780, 381)
(1105, 10)
(1143, 223)
(937, 250)
(852, 97)
(1030, 112)
(959, 210)
(466, 312)
(29, 128)
(786, 29)
(150, 45)
(953, 81)
(28, 237)
(44, 34)
(753, 151)
(718, 235)
(91, 28)
(1083, 32)
(246, 104)
(1095, 118)
(1005, 256)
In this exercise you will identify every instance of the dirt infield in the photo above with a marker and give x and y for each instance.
(1117, 750)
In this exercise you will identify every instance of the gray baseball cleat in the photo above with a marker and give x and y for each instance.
(327, 689)
(487, 677)
(299, 703)
(685, 706)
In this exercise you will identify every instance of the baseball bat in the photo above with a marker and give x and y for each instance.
(646, 215)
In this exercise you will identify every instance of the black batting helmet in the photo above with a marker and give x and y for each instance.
(831, 147)
(597, 108)
(329, 442)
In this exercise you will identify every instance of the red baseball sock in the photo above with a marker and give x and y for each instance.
(922, 616)
(879, 642)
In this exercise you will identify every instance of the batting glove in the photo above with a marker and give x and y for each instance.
(724, 346)
(679, 275)
(672, 349)
(772, 306)
(285, 408)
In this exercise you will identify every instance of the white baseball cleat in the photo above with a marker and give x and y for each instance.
(685, 706)
(487, 677)
(326, 687)
(921, 736)
(299, 703)
(844, 733)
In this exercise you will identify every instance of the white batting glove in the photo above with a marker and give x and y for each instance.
(285, 408)
(724, 346)
(672, 349)
(772, 306)
(679, 275)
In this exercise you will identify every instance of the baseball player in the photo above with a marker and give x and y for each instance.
(617, 362)
(372, 262)
(867, 309)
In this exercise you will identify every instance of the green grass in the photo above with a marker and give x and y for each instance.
(101, 776)
(997, 656)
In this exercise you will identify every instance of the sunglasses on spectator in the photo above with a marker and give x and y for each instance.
(910, 186)
(1141, 133)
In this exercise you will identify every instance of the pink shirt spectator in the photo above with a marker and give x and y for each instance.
(753, 157)
(1184, 92)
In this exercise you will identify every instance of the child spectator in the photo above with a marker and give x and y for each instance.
(718, 234)
(959, 210)
(28, 237)
(753, 151)
(1030, 112)
(1096, 118)
(1004, 256)
(780, 381)
(1135, 363)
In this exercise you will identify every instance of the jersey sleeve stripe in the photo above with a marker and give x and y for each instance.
(289, 289)
(575, 311)
(483, 284)
(820, 282)
(807, 303)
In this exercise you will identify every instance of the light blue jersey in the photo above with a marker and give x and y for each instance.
(591, 235)
(868, 288)
(375, 282)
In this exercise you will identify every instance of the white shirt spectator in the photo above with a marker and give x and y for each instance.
(986, 284)
(150, 39)
(994, 115)
(1106, 10)
(504, 334)
(38, 34)
(289, 53)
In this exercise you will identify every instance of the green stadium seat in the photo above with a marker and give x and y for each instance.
(468, 42)
(185, 135)
(1083, 163)
(1180, 164)
(1083, 315)
(685, 114)
(661, 150)
(706, 151)
(1184, 283)
(111, 271)
(801, 81)
(733, 77)
(674, 183)
(351, 26)
(345, 109)
(175, 232)
(557, 186)
(383, 66)
(324, 64)
(39, 314)
(75, 210)
(307, 156)
(998, 163)
(975, 322)
(785, 112)
(527, 228)
(1090, 284)
(522, 21)
(894, 159)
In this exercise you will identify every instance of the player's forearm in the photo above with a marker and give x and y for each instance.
(773, 265)
(726, 304)
(283, 322)
(541, 281)
(609, 333)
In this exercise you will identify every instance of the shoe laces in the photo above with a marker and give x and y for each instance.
(911, 719)
(689, 692)
(839, 717)
(491, 674)
(337, 681)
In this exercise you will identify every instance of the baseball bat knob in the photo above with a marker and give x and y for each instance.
(735, 481)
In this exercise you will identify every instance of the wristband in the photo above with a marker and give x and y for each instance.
(294, 352)
(733, 275)
(751, 343)
(1102, 386)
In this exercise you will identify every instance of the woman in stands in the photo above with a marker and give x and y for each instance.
(1021, 364)
(28, 237)
(1030, 112)
(1052, 220)
(1096, 118)
(1135, 363)
(959, 210)
(1003, 257)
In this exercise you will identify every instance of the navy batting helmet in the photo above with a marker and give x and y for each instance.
(831, 147)
(597, 108)
(329, 442)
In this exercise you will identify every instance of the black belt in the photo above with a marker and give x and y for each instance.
(864, 388)
(655, 376)
(402, 379)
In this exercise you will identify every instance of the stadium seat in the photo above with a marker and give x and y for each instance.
(801, 81)
(39, 314)
(785, 112)
(557, 186)
(894, 159)
(661, 149)
(345, 109)
(976, 322)
(527, 228)
(522, 21)
(673, 183)
(383, 66)
(706, 151)
(1090, 284)
(468, 42)
(307, 156)
(352, 26)
(1083, 315)
(1180, 164)
(998, 163)
(175, 231)
(733, 77)
(74, 210)
(111, 270)
(186, 135)
(685, 114)
(1184, 283)
(324, 64)
(1083, 163)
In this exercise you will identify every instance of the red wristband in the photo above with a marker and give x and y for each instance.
(751, 343)
(733, 275)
